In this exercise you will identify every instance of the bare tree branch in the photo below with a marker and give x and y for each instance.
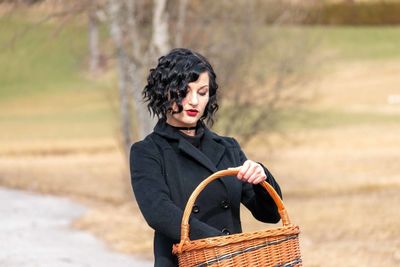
(115, 8)
(160, 37)
(180, 26)
(93, 28)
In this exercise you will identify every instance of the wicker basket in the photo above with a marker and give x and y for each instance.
(278, 247)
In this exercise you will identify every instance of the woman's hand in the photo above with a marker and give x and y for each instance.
(251, 172)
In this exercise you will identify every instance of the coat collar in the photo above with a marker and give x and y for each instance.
(212, 149)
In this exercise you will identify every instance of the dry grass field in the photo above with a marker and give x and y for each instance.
(339, 168)
(341, 183)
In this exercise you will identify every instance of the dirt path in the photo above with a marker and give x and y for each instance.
(35, 232)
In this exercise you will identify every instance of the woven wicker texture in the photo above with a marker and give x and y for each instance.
(278, 247)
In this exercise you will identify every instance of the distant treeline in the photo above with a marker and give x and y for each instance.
(26, 2)
(362, 13)
(340, 13)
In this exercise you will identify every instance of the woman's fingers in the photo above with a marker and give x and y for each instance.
(258, 176)
(243, 170)
(254, 177)
(251, 172)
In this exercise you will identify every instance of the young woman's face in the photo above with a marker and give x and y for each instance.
(193, 104)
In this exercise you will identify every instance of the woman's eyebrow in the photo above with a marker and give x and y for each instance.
(203, 86)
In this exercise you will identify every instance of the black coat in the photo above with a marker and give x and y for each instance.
(166, 168)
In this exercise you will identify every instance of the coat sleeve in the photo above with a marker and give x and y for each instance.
(256, 199)
(153, 196)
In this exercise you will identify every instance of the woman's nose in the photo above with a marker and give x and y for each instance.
(193, 99)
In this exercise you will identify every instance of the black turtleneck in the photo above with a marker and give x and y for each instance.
(194, 140)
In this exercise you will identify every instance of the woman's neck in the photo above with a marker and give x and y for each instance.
(188, 130)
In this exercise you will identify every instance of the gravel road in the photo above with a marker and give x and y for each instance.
(35, 232)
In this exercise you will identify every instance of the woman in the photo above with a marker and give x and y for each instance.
(181, 152)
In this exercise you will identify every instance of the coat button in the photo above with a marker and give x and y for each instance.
(225, 231)
(225, 204)
(195, 209)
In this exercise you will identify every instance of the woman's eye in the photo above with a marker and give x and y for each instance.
(203, 93)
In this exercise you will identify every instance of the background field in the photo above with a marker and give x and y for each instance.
(338, 164)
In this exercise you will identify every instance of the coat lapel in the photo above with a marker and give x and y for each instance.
(194, 153)
(210, 156)
(212, 148)
(212, 153)
(215, 152)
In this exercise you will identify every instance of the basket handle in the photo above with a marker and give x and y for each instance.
(231, 171)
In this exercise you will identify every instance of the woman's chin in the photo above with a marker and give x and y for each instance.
(185, 121)
(191, 121)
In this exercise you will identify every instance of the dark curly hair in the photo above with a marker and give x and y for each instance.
(168, 83)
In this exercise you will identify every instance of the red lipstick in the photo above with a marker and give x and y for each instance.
(192, 112)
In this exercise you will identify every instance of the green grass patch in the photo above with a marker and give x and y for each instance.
(319, 119)
(299, 119)
(351, 43)
(320, 46)
(44, 91)
(59, 116)
(95, 124)
(40, 58)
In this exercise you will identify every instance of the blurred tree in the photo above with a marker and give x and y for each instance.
(26, 2)
(180, 25)
(259, 54)
(93, 34)
(137, 42)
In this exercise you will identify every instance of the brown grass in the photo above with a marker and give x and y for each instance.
(341, 185)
